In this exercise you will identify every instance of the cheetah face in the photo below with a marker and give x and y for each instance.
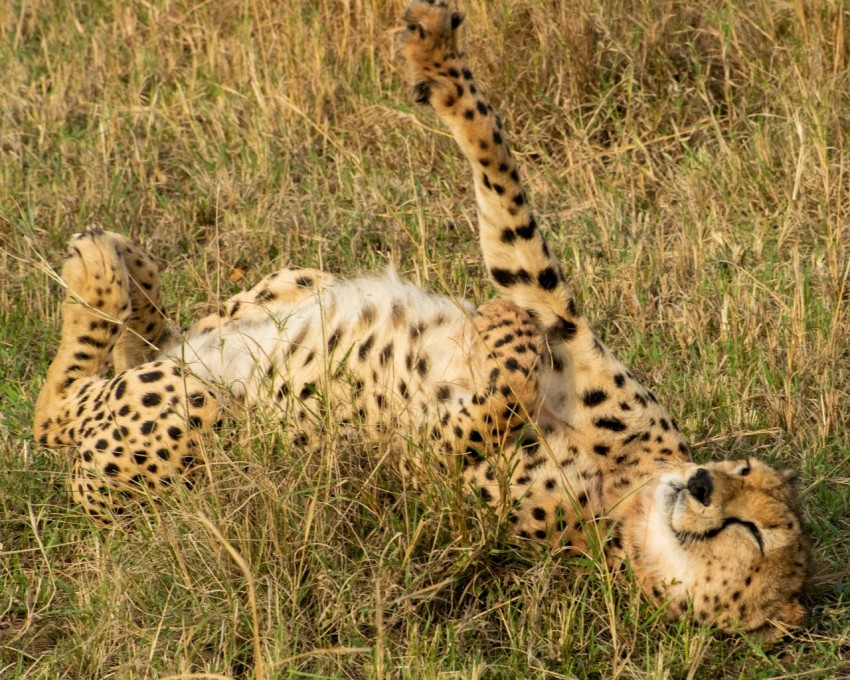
(725, 542)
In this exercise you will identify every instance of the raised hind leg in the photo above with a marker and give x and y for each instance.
(138, 430)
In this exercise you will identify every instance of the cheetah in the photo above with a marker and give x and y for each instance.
(517, 397)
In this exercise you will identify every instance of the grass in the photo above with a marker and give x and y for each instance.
(692, 162)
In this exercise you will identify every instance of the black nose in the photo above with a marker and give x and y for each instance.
(700, 486)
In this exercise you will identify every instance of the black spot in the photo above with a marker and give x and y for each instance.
(548, 279)
(444, 393)
(175, 432)
(601, 449)
(482, 107)
(264, 296)
(467, 74)
(508, 235)
(422, 366)
(550, 484)
(497, 137)
(365, 347)
(304, 282)
(538, 514)
(306, 391)
(197, 400)
(386, 354)
(402, 388)
(613, 424)
(92, 342)
(454, 73)
(101, 444)
(163, 454)
(563, 329)
(526, 232)
(469, 114)
(151, 399)
(333, 340)
(111, 469)
(619, 380)
(485, 494)
(594, 397)
(519, 199)
(141, 457)
(499, 189)
(120, 388)
(147, 427)
(540, 534)
(582, 499)
(422, 93)
(533, 464)
(504, 277)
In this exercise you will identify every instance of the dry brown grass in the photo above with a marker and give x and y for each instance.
(691, 161)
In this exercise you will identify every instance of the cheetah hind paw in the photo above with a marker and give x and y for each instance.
(95, 275)
(429, 39)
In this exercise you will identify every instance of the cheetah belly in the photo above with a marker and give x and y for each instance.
(379, 345)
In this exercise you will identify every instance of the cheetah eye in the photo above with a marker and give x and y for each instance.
(745, 470)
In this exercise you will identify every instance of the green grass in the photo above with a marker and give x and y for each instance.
(692, 163)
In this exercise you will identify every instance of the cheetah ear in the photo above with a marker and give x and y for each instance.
(457, 19)
(790, 476)
(792, 479)
(792, 614)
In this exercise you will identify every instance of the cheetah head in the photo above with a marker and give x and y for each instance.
(725, 541)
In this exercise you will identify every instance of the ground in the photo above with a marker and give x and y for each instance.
(699, 159)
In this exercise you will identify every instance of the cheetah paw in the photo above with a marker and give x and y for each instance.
(95, 275)
(429, 40)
